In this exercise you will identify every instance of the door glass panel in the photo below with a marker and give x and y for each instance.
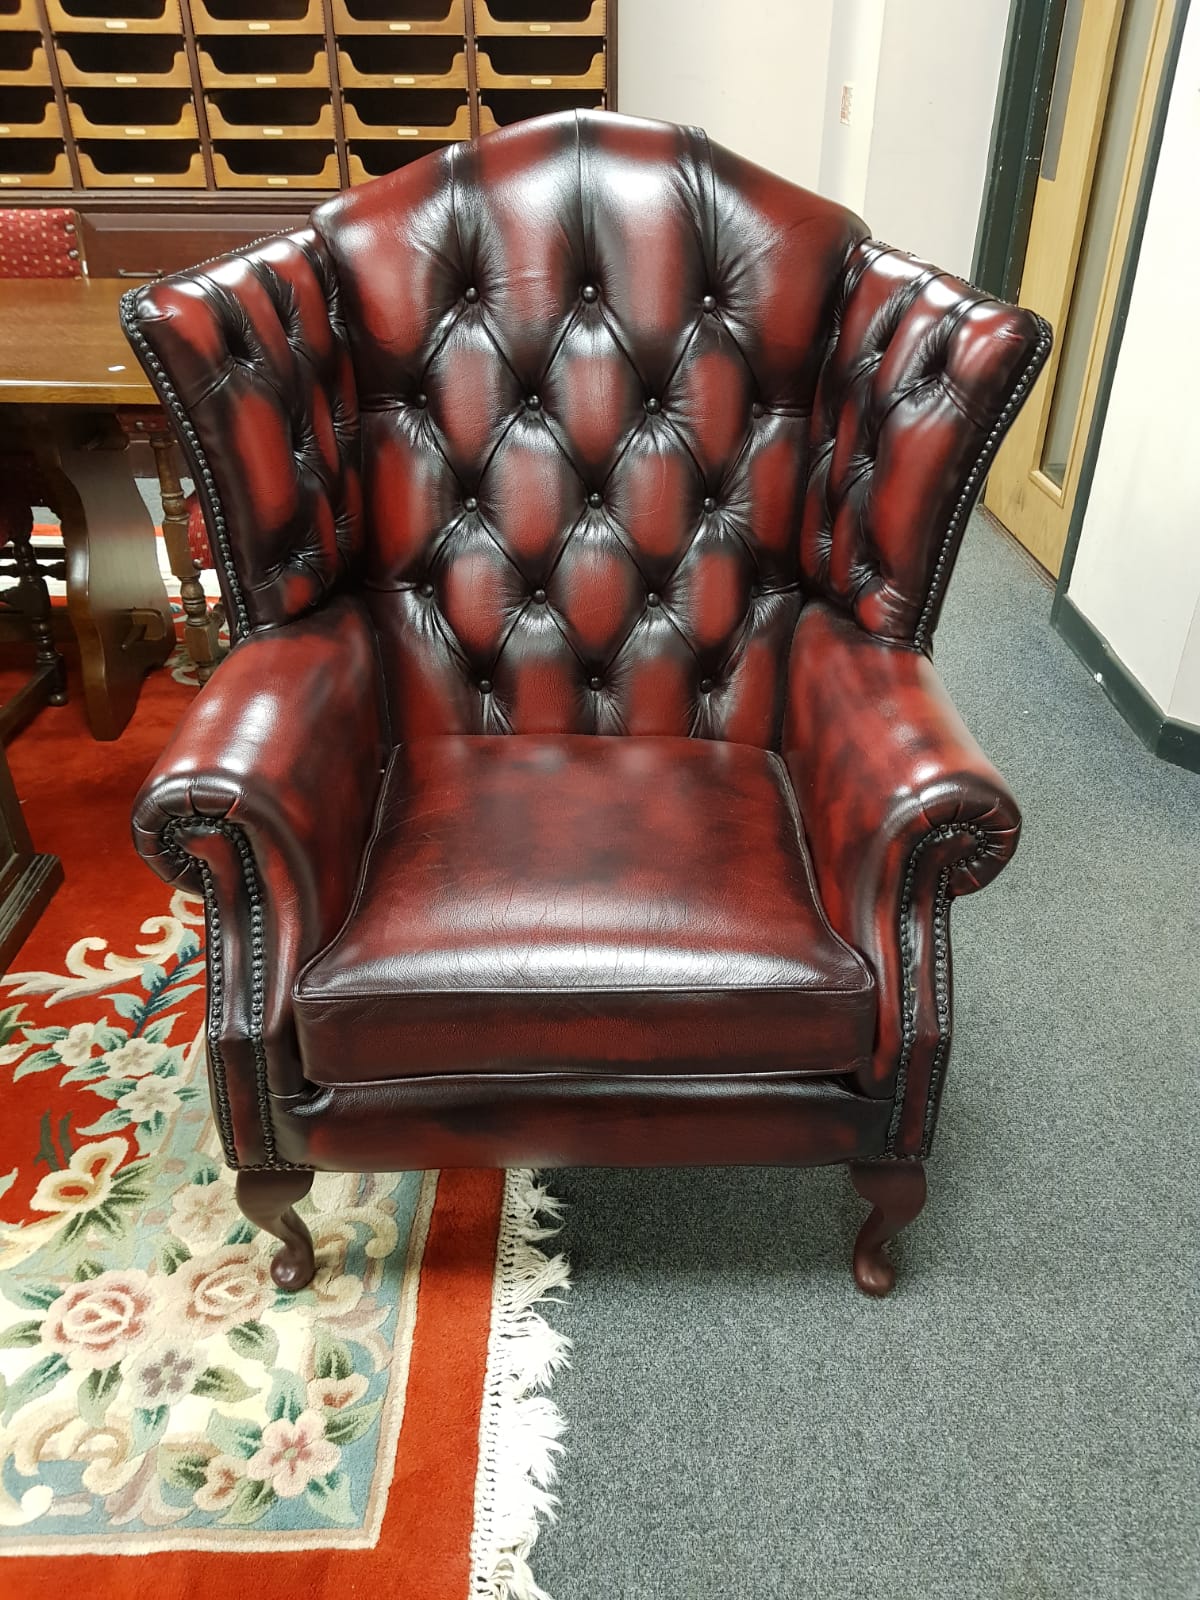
(1064, 68)
(1078, 337)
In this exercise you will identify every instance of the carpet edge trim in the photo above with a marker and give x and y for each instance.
(407, 1311)
(520, 1428)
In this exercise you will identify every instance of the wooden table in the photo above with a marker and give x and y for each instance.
(71, 396)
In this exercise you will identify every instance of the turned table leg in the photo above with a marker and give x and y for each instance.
(896, 1191)
(35, 602)
(201, 628)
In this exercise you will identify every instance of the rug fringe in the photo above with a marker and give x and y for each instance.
(521, 1426)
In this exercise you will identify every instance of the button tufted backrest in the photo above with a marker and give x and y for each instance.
(587, 408)
(586, 350)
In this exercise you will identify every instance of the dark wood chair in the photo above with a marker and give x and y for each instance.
(35, 242)
(579, 789)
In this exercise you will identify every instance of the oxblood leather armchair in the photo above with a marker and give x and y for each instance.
(580, 790)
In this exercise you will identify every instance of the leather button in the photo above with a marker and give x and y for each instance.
(705, 685)
(427, 590)
(595, 683)
(485, 686)
(421, 400)
(757, 409)
(652, 599)
(709, 503)
(709, 302)
(471, 294)
(534, 402)
(539, 597)
(652, 404)
(595, 498)
(470, 503)
(590, 292)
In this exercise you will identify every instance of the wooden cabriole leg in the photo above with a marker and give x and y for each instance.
(266, 1199)
(896, 1191)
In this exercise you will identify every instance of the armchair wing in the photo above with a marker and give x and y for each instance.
(263, 801)
(250, 361)
(922, 377)
(264, 797)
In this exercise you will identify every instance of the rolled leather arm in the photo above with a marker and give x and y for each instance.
(263, 800)
(902, 811)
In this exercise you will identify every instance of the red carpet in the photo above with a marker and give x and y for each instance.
(76, 796)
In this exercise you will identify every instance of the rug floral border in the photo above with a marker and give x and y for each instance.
(156, 1391)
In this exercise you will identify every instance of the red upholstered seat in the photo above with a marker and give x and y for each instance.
(633, 904)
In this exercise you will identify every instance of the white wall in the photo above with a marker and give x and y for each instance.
(765, 77)
(1137, 570)
(752, 72)
(939, 73)
(855, 44)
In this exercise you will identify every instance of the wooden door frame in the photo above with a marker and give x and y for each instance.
(1018, 132)
(1015, 153)
(1121, 301)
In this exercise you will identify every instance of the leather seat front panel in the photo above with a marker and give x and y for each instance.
(632, 904)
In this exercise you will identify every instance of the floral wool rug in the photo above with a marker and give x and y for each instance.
(385, 1429)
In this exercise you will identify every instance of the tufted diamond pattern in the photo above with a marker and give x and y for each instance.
(586, 352)
(587, 408)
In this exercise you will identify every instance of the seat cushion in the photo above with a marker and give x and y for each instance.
(581, 903)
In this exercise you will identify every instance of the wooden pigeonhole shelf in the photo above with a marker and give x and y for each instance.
(180, 128)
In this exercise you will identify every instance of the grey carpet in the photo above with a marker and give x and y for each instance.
(1019, 1421)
